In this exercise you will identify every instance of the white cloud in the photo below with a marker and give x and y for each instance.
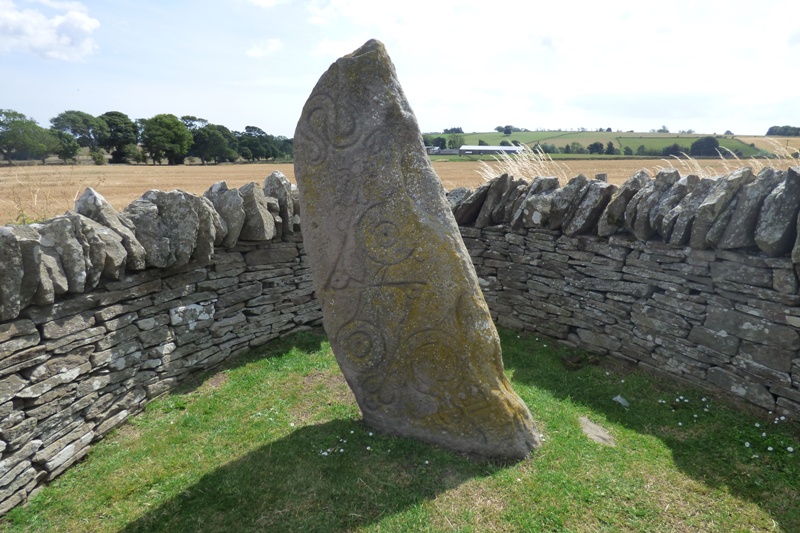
(265, 48)
(65, 36)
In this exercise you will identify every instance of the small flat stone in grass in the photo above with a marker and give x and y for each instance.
(596, 432)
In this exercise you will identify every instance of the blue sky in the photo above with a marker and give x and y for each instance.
(630, 65)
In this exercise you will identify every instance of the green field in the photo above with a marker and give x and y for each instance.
(651, 141)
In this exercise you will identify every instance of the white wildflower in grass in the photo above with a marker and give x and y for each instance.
(341, 450)
(680, 423)
(703, 399)
(764, 434)
(790, 449)
(351, 431)
(622, 381)
(783, 418)
(769, 448)
(426, 462)
(369, 449)
(291, 424)
(746, 444)
(754, 456)
(758, 425)
(705, 409)
(370, 433)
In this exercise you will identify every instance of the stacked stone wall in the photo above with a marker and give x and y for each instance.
(692, 279)
(74, 369)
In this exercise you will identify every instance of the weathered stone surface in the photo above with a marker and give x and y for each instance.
(497, 188)
(92, 205)
(277, 186)
(19, 269)
(613, 218)
(401, 302)
(505, 208)
(457, 195)
(522, 212)
(669, 200)
(587, 213)
(467, 211)
(777, 222)
(166, 226)
(644, 222)
(734, 384)
(230, 206)
(565, 201)
(681, 217)
(715, 203)
(59, 242)
(103, 249)
(258, 222)
(752, 328)
(740, 231)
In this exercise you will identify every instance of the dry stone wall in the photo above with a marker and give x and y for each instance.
(89, 335)
(692, 279)
(101, 311)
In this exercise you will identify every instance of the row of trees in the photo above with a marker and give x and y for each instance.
(784, 131)
(162, 137)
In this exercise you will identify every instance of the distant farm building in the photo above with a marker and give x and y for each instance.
(481, 150)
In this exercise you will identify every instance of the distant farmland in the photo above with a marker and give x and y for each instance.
(651, 141)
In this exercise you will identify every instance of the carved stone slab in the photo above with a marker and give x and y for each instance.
(401, 302)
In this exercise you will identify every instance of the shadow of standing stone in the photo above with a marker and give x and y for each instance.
(401, 303)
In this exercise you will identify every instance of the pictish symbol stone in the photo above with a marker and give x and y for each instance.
(401, 302)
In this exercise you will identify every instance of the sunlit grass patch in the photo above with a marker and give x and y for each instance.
(274, 442)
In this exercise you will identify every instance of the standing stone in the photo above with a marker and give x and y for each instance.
(401, 302)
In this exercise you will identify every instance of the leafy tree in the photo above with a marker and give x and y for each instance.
(596, 148)
(22, 137)
(611, 149)
(440, 142)
(212, 144)
(481, 142)
(728, 132)
(674, 149)
(577, 148)
(784, 131)
(122, 132)
(662, 129)
(567, 149)
(453, 130)
(641, 150)
(499, 129)
(67, 148)
(505, 142)
(608, 130)
(88, 130)
(456, 140)
(165, 136)
(704, 146)
(627, 150)
(192, 123)
(508, 130)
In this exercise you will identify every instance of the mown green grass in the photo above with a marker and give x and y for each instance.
(274, 442)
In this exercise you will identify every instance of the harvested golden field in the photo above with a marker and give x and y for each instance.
(770, 144)
(40, 192)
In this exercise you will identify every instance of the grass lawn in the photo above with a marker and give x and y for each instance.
(274, 442)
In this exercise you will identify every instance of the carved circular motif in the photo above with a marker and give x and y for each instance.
(362, 344)
(380, 237)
